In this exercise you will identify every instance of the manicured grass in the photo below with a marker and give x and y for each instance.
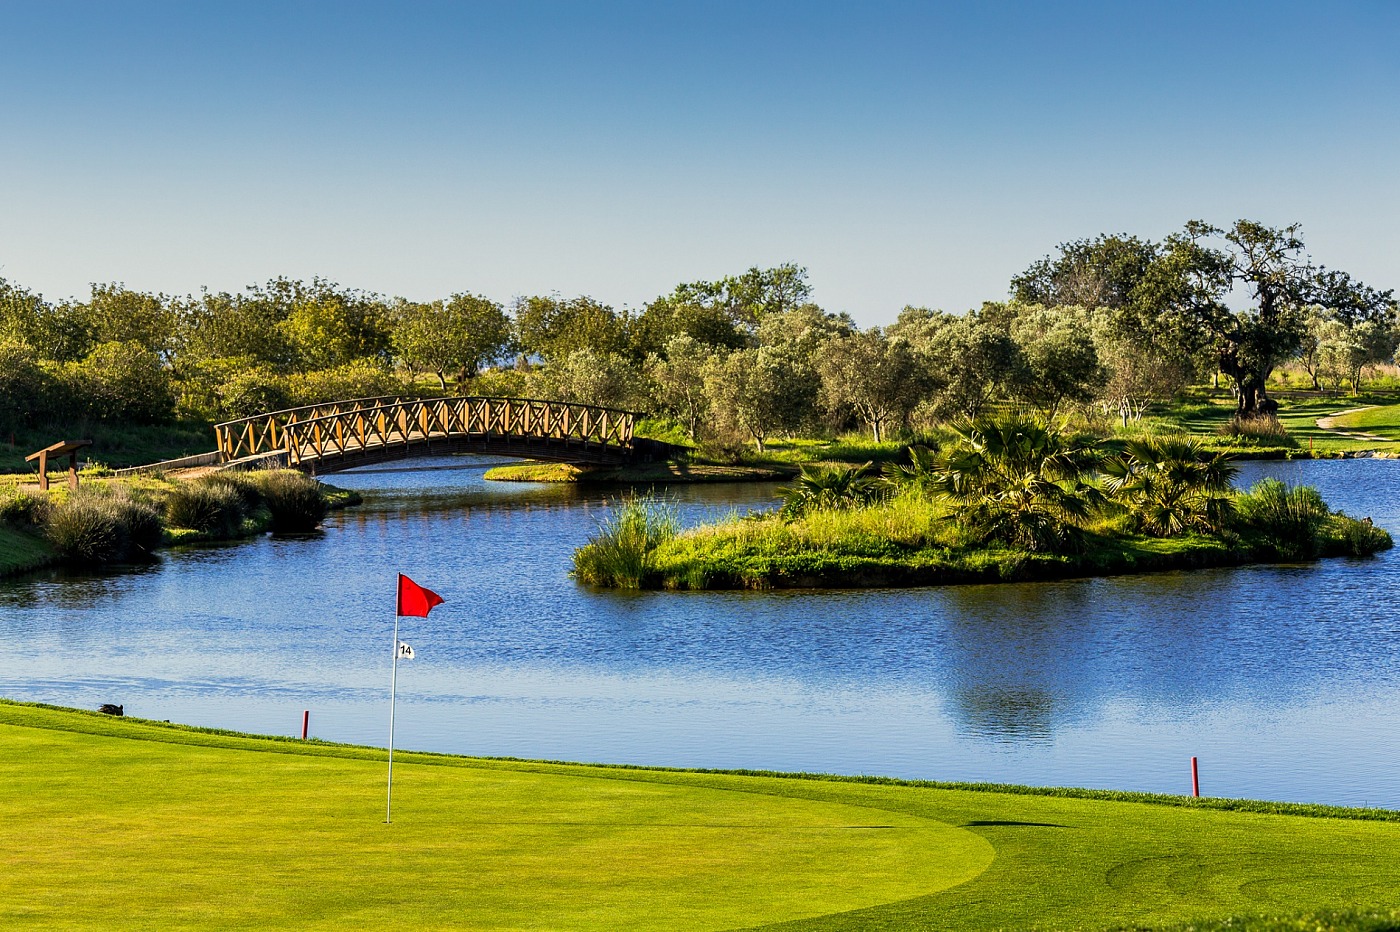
(1383, 421)
(21, 551)
(110, 823)
(1205, 417)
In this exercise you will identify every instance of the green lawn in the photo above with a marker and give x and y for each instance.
(21, 551)
(115, 445)
(109, 823)
(1299, 415)
(1383, 421)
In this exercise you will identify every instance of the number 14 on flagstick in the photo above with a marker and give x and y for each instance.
(413, 602)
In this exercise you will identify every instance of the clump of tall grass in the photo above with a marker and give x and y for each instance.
(294, 500)
(1257, 430)
(1358, 538)
(1286, 521)
(619, 554)
(212, 506)
(104, 524)
(23, 508)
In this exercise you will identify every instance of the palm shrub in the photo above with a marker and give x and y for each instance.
(293, 499)
(213, 507)
(104, 524)
(1015, 481)
(1171, 485)
(835, 486)
(1286, 521)
(620, 553)
(917, 473)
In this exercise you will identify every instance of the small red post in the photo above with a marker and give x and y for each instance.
(306, 722)
(1195, 778)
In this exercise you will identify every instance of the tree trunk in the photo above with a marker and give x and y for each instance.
(1253, 400)
(442, 381)
(1250, 398)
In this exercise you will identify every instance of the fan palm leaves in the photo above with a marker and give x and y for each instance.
(918, 472)
(1015, 480)
(1171, 485)
(828, 486)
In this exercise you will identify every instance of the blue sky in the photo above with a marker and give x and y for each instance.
(904, 153)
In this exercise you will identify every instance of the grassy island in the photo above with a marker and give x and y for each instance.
(639, 473)
(1007, 500)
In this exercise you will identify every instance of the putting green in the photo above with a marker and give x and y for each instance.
(101, 831)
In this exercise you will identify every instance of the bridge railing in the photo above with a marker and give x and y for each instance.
(266, 433)
(364, 424)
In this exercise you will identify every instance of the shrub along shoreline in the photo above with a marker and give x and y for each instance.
(125, 521)
(1011, 501)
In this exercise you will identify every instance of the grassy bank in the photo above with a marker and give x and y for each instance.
(22, 551)
(110, 520)
(114, 445)
(120, 823)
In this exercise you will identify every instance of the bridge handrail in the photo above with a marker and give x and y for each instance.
(392, 399)
(326, 433)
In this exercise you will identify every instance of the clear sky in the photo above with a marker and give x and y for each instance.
(905, 153)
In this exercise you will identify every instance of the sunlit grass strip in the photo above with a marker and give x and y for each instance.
(1383, 421)
(196, 829)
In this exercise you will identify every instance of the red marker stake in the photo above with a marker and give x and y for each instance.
(1195, 778)
(306, 722)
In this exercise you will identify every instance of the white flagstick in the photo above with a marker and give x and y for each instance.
(393, 689)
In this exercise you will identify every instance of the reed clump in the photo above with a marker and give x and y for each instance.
(215, 507)
(24, 509)
(295, 501)
(1257, 430)
(620, 553)
(105, 524)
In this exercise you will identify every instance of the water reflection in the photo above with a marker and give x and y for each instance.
(1270, 672)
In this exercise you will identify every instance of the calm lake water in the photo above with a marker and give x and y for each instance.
(1284, 680)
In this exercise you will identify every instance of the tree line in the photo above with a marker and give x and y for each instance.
(1110, 323)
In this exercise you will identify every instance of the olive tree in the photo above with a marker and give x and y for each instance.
(458, 335)
(1058, 363)
(880, 380)
(678, 381)
(758, 392)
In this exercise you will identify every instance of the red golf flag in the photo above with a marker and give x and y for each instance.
(414, 600)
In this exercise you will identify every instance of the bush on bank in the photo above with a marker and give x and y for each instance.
(126, 521)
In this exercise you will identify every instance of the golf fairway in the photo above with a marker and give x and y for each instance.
(110, 823)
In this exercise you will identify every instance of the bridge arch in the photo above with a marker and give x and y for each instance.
(362, 431)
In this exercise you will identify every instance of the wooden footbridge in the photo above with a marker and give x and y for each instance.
(344, 434)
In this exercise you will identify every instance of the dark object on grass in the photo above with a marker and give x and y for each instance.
(108, 709)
